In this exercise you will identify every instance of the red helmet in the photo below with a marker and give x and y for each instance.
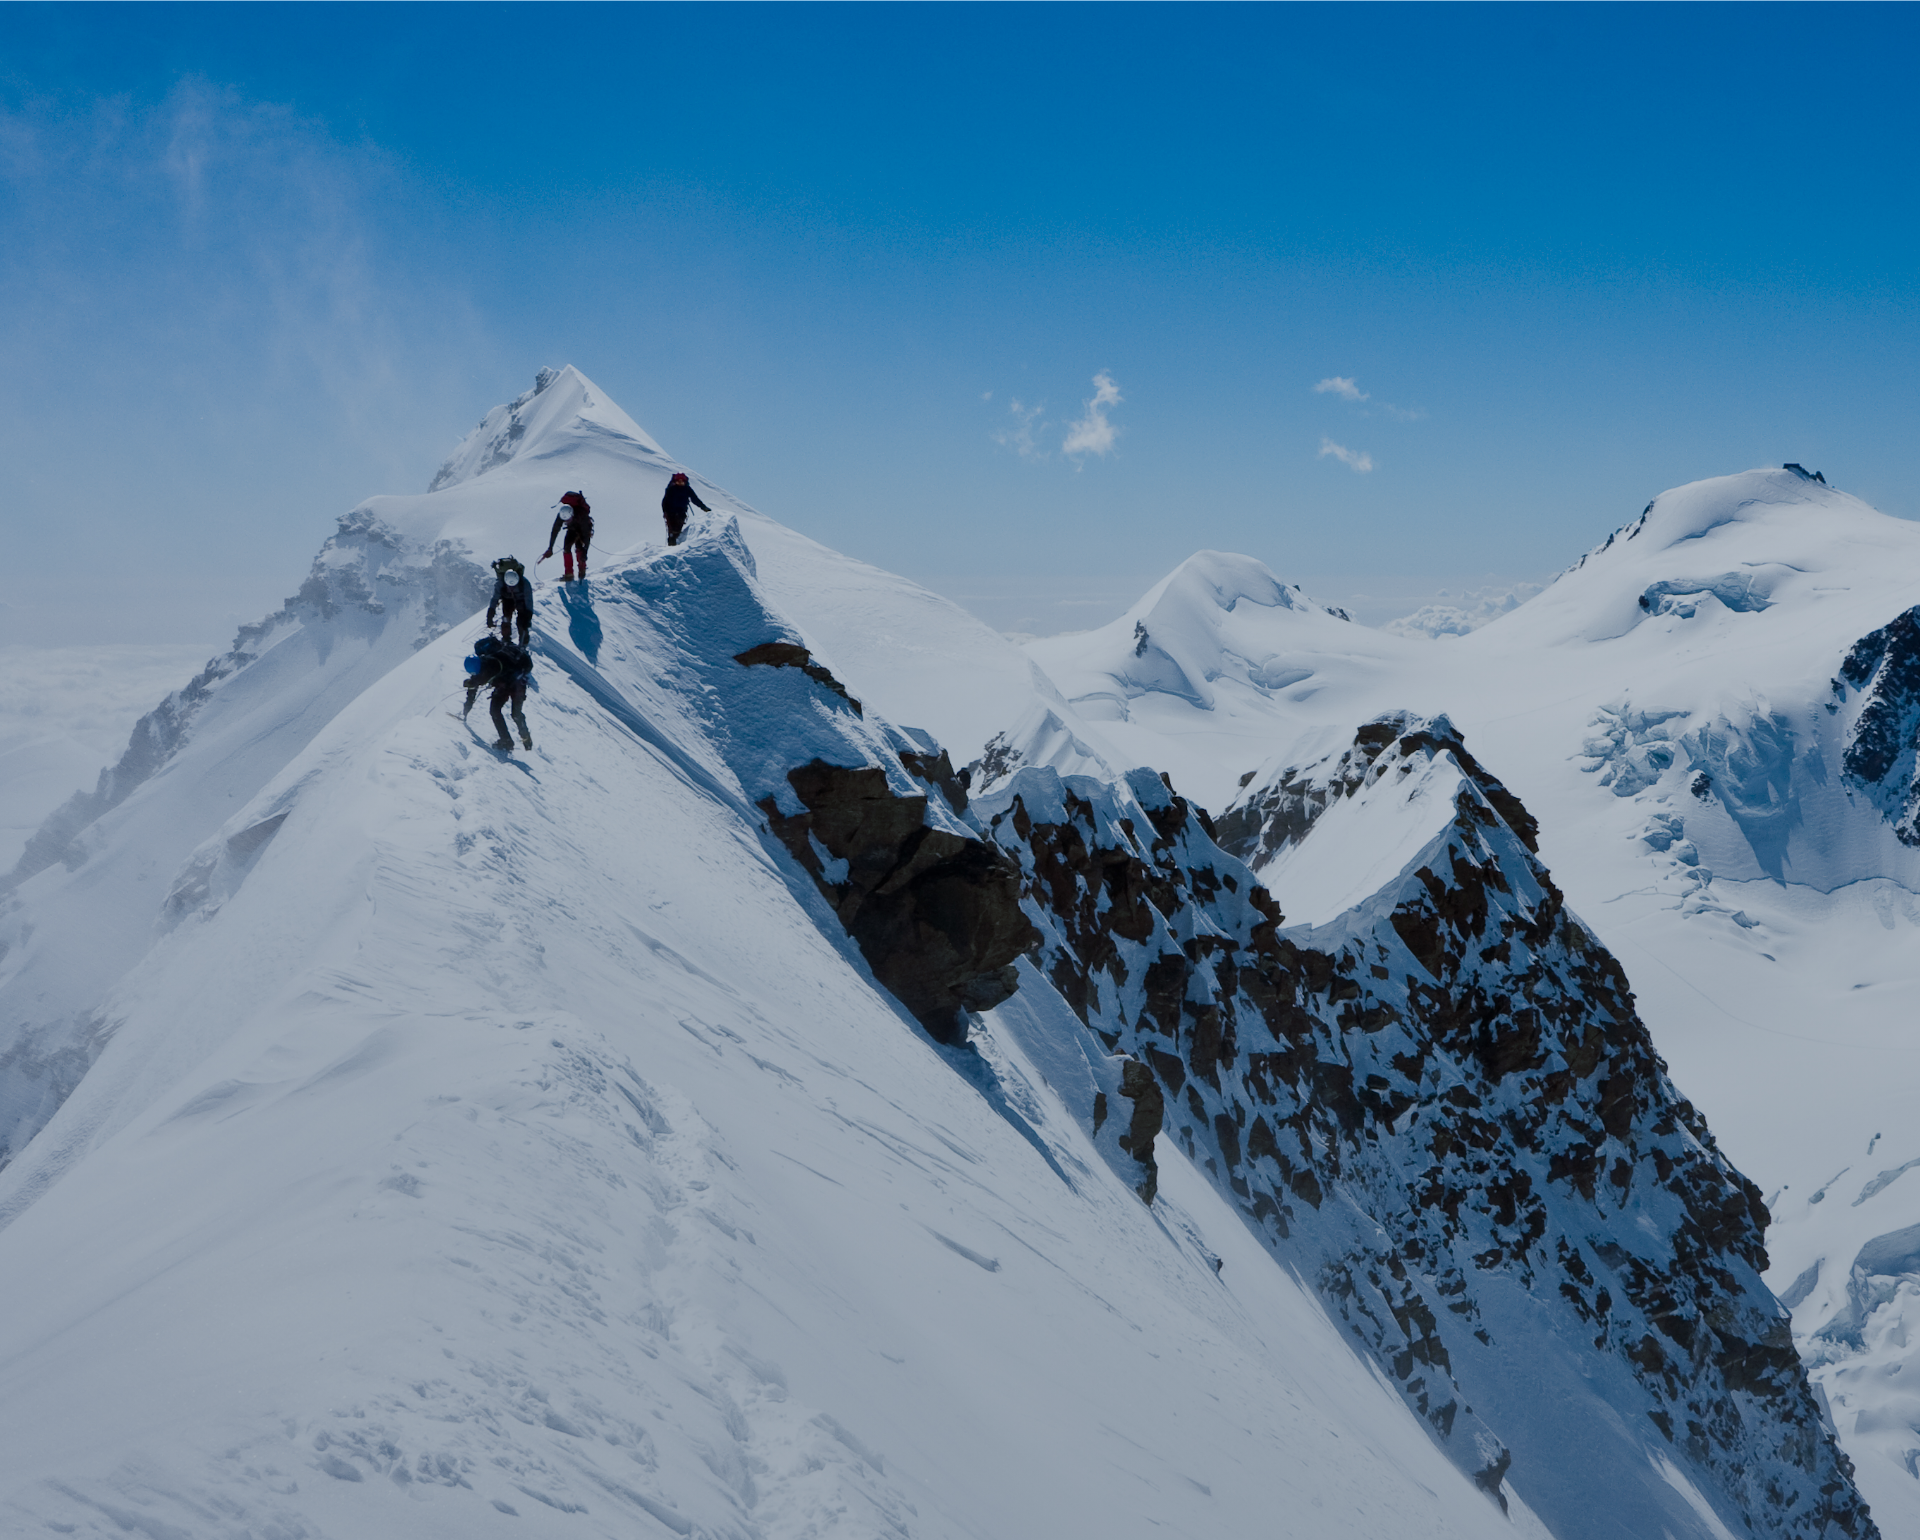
(679, 475)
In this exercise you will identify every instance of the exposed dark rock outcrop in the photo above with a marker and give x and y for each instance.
(1279, 811)
(793, 655)
(1880, 755)
(1443, 1110)
(936, 914)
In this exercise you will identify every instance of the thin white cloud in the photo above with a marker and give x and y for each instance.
(1477, 607)
(1093, 434)
(1403, 413)
(1356, 459)
(1339, 385)
(1023, 437)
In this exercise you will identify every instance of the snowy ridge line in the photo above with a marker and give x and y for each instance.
(697, 776)
(483, 1199)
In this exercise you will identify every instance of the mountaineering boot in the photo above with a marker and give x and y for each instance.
(526, 739)
(505, 744)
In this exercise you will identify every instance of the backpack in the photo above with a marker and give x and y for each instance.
(515, 661)
(482, 649)
(508, 564)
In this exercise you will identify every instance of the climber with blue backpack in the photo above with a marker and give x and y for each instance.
(507, 667)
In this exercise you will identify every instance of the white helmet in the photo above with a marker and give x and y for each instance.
(513, 579)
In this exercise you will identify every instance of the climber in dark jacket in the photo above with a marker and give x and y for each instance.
(512, 596)
(578, 518)
(674, 505)
(507, 668)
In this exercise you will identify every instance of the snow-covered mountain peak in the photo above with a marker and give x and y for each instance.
(565, 410)
(1220, 579)
(1697, 509)
(1196, 676)
(1728, 546)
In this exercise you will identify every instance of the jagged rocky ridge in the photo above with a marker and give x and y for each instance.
(1880, 753)
(1444, 1111)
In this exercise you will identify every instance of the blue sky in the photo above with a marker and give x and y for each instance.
(264, 261)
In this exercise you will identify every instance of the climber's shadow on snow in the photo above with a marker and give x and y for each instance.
(512, 760)
(583, 626)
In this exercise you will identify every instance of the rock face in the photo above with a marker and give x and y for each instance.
(1441, 1109)
(1880, 751)
(936, 915)
(793, 655)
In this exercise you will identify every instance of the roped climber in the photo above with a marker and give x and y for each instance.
(512, 596)
(673, 505)
(577, 516)
(507, 668)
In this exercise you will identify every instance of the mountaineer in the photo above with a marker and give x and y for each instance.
(507, 668)
(512, 595)
(577, 516)
(673, 505)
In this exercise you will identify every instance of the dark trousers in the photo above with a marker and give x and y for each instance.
(507, 691)
(524, 610)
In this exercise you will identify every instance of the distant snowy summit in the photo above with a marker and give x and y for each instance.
(563, 413)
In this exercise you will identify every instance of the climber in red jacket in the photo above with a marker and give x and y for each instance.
(578, 519)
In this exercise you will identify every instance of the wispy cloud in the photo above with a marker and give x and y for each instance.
(1403, 413)
(1023, 436)
(1093, 434)
(1476, 607)
(1356, 459)
(1339, 385)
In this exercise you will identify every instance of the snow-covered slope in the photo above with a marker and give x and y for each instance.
(66, 711)
(1216, 660)
(403, 1141)
(520, 1147)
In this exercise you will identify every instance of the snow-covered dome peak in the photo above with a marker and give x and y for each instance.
(1697, 509)
(1714, 554)
(563, 411)
(1216, 580)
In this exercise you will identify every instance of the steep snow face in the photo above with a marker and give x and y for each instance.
(563, 414)
(1215, 660)
(398, 572)
(916, 657)
(519, 1147)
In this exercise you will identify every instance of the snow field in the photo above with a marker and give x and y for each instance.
(515, 1146)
